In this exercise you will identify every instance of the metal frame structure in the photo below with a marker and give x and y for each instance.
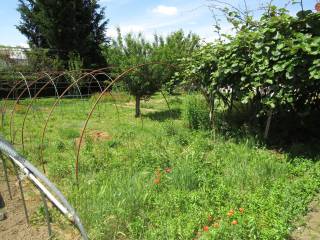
(47, 189)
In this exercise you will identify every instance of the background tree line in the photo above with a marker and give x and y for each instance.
(266, 74)
(65, 34)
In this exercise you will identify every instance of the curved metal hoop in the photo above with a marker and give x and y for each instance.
(56, 103)
(101, 90)
(34, 98)
(76, 83)
(54, 85)
(98, 100)
(25, 81)
(15, 104)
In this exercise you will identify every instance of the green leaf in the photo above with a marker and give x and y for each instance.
(269, 81)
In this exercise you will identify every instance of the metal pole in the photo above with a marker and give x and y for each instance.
(6, 174)
(2, 118)
(33, 173)
(267, 129)
(47, 213)
(22, 194)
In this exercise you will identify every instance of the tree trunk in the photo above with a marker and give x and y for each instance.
(138, 110)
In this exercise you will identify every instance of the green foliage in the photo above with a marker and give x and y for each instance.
(163, 181)
(41, 60)
(75, 68)
(271, 65)
(159, 57)
(65, 27)
(16, 59)
(197, 113)
(171, 49)
(132, 51)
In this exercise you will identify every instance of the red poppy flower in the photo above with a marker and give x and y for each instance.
(156, 181)
(230, 213)
(234, 222)
(206, 228)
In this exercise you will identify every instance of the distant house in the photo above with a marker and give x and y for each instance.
(12, 56)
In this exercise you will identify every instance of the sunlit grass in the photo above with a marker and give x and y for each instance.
(156, 179)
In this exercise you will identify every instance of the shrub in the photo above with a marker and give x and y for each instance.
(196, 113)
(272, 66)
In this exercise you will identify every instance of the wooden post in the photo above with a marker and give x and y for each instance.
(267, 129)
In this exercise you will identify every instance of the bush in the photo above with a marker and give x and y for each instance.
(272, 66)
(197, 113)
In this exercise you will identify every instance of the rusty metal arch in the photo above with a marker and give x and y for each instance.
(100, 73)
(4, 107)
(8, 95)
(98, 100)
(15, 104)
(55, 104)
(34, 98)
(25, 81)
(57, 95)
(43, 74)
(54, 85)
(76, 83)
(93, 77)
(101, 89)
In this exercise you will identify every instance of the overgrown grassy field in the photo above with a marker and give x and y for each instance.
(157, 179)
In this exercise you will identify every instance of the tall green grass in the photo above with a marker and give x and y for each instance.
(157, 179)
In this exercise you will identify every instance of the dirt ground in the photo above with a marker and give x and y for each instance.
(310, 229)
(15, 226)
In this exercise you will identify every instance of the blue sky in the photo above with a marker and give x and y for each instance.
(147, 16)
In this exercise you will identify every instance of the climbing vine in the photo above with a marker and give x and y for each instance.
(272, 64)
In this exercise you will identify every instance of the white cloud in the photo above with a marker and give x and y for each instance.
(154, 21)
(165, 10)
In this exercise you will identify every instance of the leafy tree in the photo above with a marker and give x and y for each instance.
(65, 27)
(129, 51)
(171, 49)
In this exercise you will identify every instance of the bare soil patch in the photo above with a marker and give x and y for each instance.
(15, 226)
(310, 230)
(99, 136)
(95, 136)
